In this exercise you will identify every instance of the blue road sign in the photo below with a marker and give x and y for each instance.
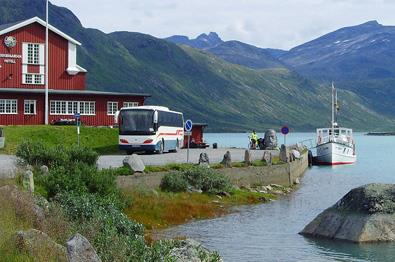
(284, 130)
(188, 125)
(77, 115)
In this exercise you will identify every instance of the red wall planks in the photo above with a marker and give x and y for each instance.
(11, 74)
(100, 119)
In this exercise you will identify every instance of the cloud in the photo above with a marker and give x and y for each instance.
(265, 23)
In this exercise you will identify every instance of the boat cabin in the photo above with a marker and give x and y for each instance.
(337, 135)
(196, 139)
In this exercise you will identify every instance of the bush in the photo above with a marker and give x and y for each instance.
(79, 178)
(207, 180)
(113, 235)
(203, 178)
(174, 182)
(37, 154)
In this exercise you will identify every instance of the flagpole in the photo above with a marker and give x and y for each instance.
(46, 64)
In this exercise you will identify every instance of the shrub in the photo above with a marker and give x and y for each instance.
(82, 154)
(113, 235)
(207, 180)
(203, 178)
(174, 182)
(37, 154)
(79, 178)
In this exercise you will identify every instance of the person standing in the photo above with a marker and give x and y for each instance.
(254, 139)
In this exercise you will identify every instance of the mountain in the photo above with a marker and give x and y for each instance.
(206, 88)
(203, 41)
(233, 51)
(359, 58)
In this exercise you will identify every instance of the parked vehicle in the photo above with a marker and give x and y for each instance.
(150, 129)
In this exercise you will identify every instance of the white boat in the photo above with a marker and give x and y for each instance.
(335, 145)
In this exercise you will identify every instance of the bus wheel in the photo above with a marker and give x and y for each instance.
(161, 147)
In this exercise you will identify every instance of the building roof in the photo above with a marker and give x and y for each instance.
(14, 26)
(69, 92)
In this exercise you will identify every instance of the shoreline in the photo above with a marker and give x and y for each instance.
(252, 185)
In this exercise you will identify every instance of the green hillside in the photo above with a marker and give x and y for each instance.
(228, 97)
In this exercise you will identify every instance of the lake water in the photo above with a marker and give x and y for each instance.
(269, 232)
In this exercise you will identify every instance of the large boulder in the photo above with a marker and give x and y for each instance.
(271, 140)
(80, 250)
(40, 245)
(135, 163)
(365, 214)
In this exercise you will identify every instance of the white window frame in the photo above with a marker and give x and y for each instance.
(29, 103)
(130, 104)
(112, 108)
(31, 79)
(33, 53)
(10, 104)
(69, 108)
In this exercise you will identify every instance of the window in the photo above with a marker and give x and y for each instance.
(72, 107)
(170, 119)
(33, 54)
(112, 108)
(130, 104)
(8, 106)
(30, 107)
(28, 79)
(36, 79)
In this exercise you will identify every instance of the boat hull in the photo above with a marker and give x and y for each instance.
(332, 153)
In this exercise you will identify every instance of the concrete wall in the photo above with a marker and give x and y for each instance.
(284, 174)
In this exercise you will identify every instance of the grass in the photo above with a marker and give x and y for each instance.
(17, 213)
(157, 209)
(103, 140)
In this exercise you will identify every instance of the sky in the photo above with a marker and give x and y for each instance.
(279, 24)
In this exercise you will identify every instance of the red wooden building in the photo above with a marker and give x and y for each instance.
(22, 86)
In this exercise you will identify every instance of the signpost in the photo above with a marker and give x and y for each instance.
(77, 117)
(285, 131)
(188, 128)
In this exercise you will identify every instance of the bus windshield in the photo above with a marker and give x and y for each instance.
(136, 122)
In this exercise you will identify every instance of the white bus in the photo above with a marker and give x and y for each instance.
(150, 129)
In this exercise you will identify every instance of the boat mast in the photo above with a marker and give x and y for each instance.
(333, 110)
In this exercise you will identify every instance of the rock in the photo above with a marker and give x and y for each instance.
(80, 250)
(227, 161)
(297, 181)
(278, 192)
(191, 251)
(224, 194)
(247, 157)
(284, 154)
(267, 156)
(28, 181)
(270, 140)
(267, 188)
(194, 190)
(35, 242)
(44, 170)
(295, 153)
(135, 163)
(204, 160)
(276, 186)
(365, 214)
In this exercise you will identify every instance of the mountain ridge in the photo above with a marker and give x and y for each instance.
(229, 97)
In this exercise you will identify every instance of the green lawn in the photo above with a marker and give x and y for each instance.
(104, 140)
